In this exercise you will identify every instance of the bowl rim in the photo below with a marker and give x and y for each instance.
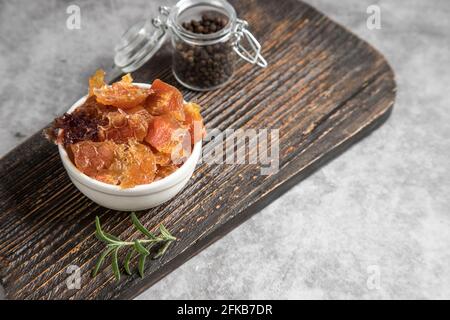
(157, 186)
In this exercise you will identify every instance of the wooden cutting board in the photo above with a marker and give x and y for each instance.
(324, 89)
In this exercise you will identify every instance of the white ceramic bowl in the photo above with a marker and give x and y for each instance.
(140, 197)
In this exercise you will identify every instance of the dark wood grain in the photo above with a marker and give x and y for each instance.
(324, 90)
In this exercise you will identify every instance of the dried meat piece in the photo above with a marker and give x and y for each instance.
(162, 159)
(124, 165)
(139, 165)
(92, 158)
(165, 99)
(165, 133)
(120, 127)
(114, 172)
(80, 125)
(96, 81)
(164, 171)
(122, 94)
(139, 110)
(94, 108)
(194, 121)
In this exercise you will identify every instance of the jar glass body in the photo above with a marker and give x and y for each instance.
(203, 61)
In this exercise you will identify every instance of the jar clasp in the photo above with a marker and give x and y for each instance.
(161, 22)
(254, 57)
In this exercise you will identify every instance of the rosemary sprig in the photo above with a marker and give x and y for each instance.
(140, 247)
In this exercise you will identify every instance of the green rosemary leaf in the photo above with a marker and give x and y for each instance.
(101, 235)
(141, 265)
(100, 260)
(110, 236)
(99, 232)
(141, 227)
(114, 244)
(162, 250)
(140, 248)
(165, 233)
(115, 263)
(127, 261)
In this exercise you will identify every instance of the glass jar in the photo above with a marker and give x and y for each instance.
(207, 39)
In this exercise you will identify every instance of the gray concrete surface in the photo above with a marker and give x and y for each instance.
(384, 206)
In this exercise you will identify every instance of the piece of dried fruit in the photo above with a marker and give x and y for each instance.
(165, 99)
(122, 94)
